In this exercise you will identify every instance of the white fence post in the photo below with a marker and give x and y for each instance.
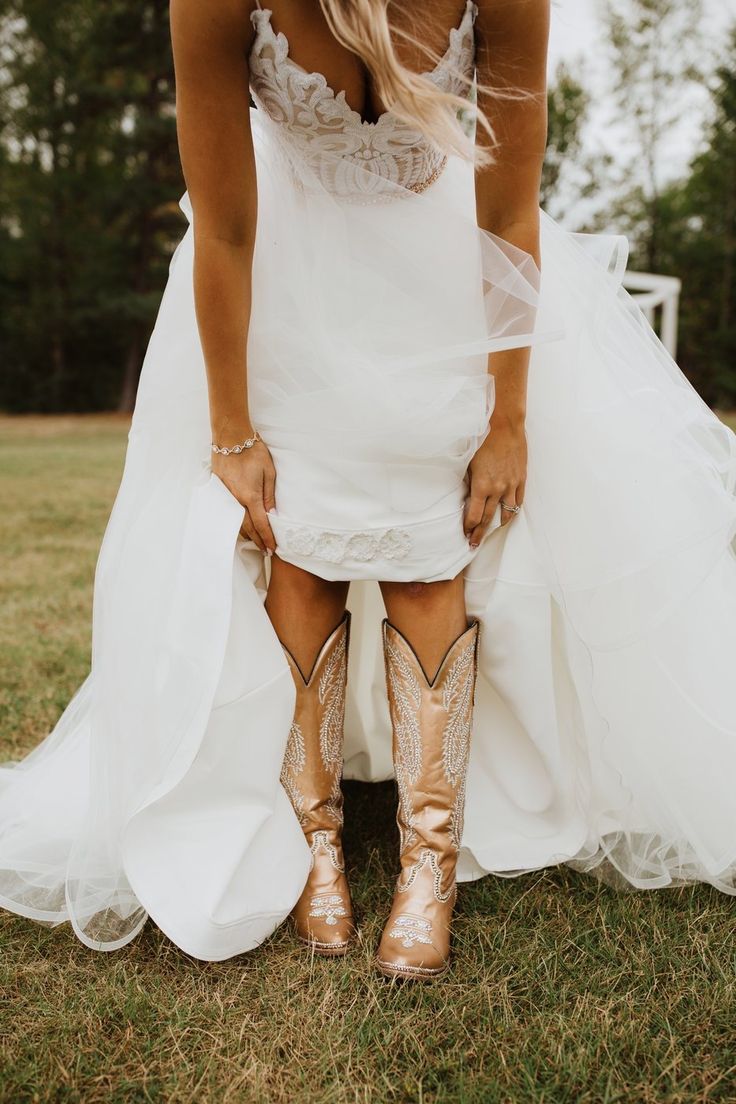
(651, 292)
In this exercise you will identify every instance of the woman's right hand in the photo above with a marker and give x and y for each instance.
(251, 476)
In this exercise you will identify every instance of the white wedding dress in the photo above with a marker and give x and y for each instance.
(605, 726)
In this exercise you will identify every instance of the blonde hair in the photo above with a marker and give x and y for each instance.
(363, 26)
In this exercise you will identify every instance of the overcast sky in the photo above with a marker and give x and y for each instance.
(577, 37)
(576, 27)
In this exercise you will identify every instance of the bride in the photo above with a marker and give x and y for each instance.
(359, 393)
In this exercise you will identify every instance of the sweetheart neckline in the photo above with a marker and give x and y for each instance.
(340, 97)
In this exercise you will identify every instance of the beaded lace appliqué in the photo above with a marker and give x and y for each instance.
(333, 547)
(345, 152)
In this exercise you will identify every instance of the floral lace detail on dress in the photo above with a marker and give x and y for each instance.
(346, 153)
(333, 547)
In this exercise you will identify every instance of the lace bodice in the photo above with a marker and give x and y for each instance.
(348, 155)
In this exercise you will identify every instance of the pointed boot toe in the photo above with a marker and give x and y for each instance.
(325, 923)
(416, 939)
(413, 947)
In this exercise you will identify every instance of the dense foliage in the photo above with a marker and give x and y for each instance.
(90, 179)
(697, 241)
(89, 183)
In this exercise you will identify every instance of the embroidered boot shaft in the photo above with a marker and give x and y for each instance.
(431, 744)
(311, 776)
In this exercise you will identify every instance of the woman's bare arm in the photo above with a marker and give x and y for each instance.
(512, 37)
(211, 43)
(512, 54)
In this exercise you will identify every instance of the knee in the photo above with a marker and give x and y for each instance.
(419, 591)
(315, 589)
(419, 594)
(305, 587)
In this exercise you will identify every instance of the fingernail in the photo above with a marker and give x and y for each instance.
(272, 510)
(473, 545)
(270, 551)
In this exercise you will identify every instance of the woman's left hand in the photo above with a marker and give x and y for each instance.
(497, 473)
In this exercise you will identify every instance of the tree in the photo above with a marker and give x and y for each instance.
(88, 169)
(655, 46)
(567, 109)
(698, 242)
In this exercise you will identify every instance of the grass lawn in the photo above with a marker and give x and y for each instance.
(562, 989)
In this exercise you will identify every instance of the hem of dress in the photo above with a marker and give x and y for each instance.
(378, 554)
(337, 573)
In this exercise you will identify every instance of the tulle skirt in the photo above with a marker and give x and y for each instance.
(605, 722)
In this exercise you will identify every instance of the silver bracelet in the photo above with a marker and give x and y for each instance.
(251, 441)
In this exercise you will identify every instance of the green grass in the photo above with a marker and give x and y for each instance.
(562, 990)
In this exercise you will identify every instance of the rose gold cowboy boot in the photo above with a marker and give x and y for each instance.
(431, 744)
(311, 777)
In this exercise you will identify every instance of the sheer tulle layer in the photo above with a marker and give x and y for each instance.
(611, 610)
(605, 714)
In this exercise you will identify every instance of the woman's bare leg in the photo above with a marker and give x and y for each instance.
(430, 615)
(304, 610)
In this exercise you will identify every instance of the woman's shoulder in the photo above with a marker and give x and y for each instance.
(512, 17)
(213, 26)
